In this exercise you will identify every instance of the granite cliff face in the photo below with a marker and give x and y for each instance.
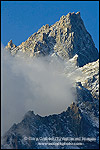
(69, 40)
(66, 38)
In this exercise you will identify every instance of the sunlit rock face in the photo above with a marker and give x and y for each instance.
(10, 45)
(67, 37)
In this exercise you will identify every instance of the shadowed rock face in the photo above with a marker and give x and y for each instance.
(67, 37)
(70, 123)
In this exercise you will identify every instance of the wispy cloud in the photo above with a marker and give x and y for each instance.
(38, 84)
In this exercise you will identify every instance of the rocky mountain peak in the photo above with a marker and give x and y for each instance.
(67, 37)
(71, 15)
(10, 45)
(29, 114)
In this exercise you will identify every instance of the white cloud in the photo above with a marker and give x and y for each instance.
(37, 84)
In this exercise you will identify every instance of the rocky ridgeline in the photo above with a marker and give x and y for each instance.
(67, 37)
(70, 123)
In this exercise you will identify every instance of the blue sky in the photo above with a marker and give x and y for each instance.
(20, 19)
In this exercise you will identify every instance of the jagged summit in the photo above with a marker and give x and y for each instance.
(10, 45)
(70, 15)
(67, 37)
